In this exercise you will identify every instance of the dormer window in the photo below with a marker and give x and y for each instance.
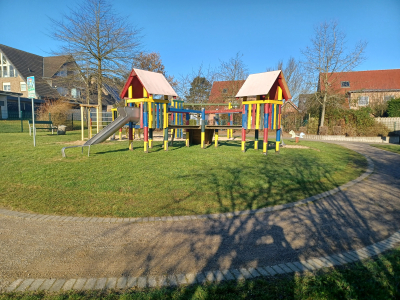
(345, 84)
(224, 91)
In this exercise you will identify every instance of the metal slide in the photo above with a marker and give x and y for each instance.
(126, 114)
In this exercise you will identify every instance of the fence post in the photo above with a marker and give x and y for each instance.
(72, 121)
(22, 122)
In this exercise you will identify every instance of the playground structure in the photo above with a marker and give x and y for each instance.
(264, 112)
(150, 100)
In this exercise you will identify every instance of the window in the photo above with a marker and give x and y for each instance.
(388, 98)
(74, 93)
(62, 72)
(23, 87)
(345, 84)
(11, 68)
(7, 86)
(6, 69)
(1, 103)
(62, 90)
(224, 91)
(363, 100)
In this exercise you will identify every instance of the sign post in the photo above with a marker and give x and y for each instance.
(32, 95)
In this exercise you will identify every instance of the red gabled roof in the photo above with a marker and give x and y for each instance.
(365, 80)
(216, 94)
(287, 102)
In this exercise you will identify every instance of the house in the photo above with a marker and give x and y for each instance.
(55, 77)
(289, 108)
(224, 91)
(363, 88)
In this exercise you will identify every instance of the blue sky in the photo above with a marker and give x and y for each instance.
(190, 33)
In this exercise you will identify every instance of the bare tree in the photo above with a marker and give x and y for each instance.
(196, 86)
(234, 71)
(152, 62)
(102, 42)
(328, 55)
(294, 76)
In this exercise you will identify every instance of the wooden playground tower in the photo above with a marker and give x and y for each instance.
(263, 112)
(139, 91)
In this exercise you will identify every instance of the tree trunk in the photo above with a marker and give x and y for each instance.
(323, 111)
(99, 90)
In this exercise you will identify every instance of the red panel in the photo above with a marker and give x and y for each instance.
(284, 93)
(137, 86)
(273, 92)
(223, 111)
(279, 117)
(253, 116)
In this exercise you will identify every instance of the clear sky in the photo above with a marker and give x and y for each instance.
(190, 33)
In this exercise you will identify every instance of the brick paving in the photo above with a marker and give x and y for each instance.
(359, 220)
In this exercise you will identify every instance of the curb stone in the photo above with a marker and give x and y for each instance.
(216, 276)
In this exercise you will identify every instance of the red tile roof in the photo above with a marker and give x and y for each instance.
(365, 80)
(216, 94)
(289, 108)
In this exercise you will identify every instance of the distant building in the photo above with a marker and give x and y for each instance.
(363, 88)
(55, 77)
(224, 91)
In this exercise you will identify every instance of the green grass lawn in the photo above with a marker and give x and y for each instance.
(377, 278)
(117, 182)
(391, 148)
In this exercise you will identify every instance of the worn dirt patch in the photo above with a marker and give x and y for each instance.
(296, 146)
(72, 143)
(301, 147)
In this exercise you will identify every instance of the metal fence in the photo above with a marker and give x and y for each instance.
(393, 124)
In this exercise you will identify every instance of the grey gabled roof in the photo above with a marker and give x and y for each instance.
(28, 64)
(52, 64)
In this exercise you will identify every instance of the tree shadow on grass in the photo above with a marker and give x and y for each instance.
(348, 220)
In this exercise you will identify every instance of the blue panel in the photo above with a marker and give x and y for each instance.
(244, 118)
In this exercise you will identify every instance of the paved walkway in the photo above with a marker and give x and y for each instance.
(47, 253)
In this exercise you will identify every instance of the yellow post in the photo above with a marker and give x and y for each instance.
(258, 116)
(277, 115)
(216, 138)
(82, 125)
(257, 125)
(187, 138)
(229, 132)
(130, 93)
(98, 120)
(249, 113)
(150, 115)
(90, 124)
